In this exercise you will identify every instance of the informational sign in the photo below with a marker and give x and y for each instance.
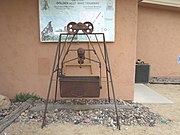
(54, 15)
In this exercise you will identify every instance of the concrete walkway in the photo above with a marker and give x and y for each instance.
(144, 94)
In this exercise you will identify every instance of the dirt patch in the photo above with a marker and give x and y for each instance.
(168, 111)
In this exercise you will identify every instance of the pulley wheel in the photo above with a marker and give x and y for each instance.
(89, 26)
(70, 28)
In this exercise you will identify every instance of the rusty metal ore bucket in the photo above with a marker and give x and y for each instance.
(79, 86)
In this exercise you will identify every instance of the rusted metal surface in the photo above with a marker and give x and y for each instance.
(86, 27)
(81, 55)
(79, 86)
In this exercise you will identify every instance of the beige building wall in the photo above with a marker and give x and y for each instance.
(26, 62)
(158, 41)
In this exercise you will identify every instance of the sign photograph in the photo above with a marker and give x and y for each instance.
(54, 15)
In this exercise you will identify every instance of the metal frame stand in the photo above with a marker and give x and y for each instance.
(59, 62)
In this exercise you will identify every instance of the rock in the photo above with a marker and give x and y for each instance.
(139, 115)
(5, 103)
(23, 114)
(77, 122)
(26, 111)
(87, 120)
(80, 113)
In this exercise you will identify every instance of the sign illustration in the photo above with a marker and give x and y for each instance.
(54, 15)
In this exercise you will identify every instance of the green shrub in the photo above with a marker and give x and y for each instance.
(22, 97)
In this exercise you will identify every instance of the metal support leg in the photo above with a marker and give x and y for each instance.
(105, 60)
(112, 85)
(50, 84)
(108, 89)
(57, 68)
(107, 71)
(55, 99)
(117, 117)
(107, 79)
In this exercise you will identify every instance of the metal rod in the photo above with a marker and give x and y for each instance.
(93, 60)
(93, 48)
(99, 47)
(100, 79)
(105, 61)
(55, 99)
(84, 49)
(107, 80)
(66, 52)
(57, 72)
(89, 53)
(64, 44)
(50, 83)
(112, 85)
(69, 60)
(97, 58)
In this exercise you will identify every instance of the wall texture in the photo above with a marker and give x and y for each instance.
(26, 62)
(158, 41)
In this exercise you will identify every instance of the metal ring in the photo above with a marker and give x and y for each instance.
(70, 28)
(89, 28)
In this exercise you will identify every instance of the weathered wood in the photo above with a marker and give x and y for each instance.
(78, 107)
(4, 123)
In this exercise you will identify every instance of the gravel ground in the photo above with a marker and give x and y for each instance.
(164, 80)
(168, 123)
(138, 115)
